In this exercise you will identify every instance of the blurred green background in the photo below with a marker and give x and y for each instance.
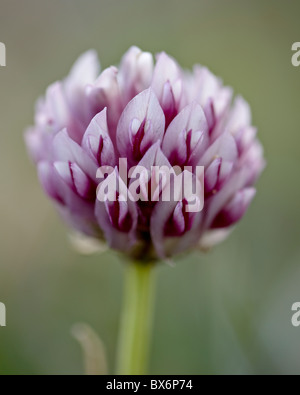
(225, 312)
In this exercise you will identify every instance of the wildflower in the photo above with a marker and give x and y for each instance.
(150, 115)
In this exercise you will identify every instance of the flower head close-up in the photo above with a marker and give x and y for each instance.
(151, 114)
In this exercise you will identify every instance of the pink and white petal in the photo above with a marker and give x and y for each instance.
(187, 224)
(253, 160)
(206, 85)
(143, 115)
(235, 209)
(223, 147)
(191, 118)
(76, 205)
(87, 242)
(76, 179)
(154, 157)
(222, 101)
(216, 174)
(212, 175)
(38, 144)
(82, 184)
(58, 112)
(88, 227)
(83, 73)
(244, 137)
(160, 216)
(62, 194)
(235, 182)
(85, 69)
(135, 74)
(166, 70)
(67, 150)
(191, 238)
(50, 182)
(239, 117)
(116, 238)
(166, 246)
(106, 93)
(97, 143)
(105, 88)
(213, 237)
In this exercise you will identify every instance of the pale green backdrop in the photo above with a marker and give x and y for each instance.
(227, 312)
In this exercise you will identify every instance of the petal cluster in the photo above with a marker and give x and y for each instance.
(152, 114)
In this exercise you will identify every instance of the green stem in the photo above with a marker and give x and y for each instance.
(136, 320)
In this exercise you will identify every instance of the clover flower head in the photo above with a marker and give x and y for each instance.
(151, 114)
